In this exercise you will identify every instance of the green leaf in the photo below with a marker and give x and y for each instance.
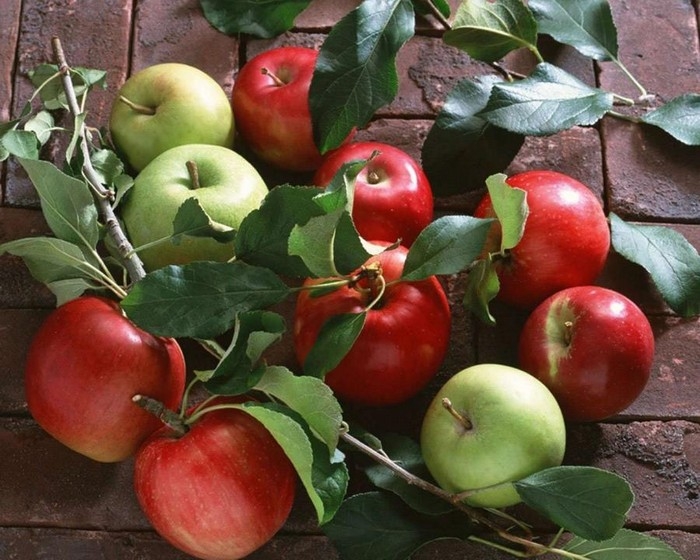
(680, 117)
(309, 397)
(70, 288)
(41, 124)
(481, 288)
(548, 101)
(191, 219)
(240, 369)
(510, 206)
(262, 19)
(669, 258)
(442, 6)
(263, 236)
(313, 243)
(355, 71)
(66, 202)
(589, 502)
(380, 526)
(586, 25)
(463, 149)
(21, 143)
(625, 545)
(324, 476)
(406, 453)
(48, 79)
(488, 30)
(108, 166)
(200, 299)
(334, 341)
(446, 246)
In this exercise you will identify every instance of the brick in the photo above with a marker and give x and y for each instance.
(107, 50)
(178, 32)
(9, 29)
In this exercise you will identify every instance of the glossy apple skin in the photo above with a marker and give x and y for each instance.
(192, 108)
(230, 188)
(565, 242)
(393, 198)
(220, 491)
(85, 364)
(401, 346)
(517, 429)
(593, 347)
(274, 120)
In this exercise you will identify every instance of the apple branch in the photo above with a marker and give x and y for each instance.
(129, 258)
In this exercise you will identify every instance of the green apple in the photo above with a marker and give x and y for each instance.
(488, 426)
(168, 105)
(225, 184)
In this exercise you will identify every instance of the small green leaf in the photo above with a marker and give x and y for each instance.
(548, 101)
(200, 299)
(70, 288)
(108, 166)
(406, 453)
(263, 236)
(21, 143)
(240, 369)
(510, 206)
(191, 219)
(442, 6)
(462, 149)
(380, 526)
(488, 30)
(669, 258)
(586, 25)
(41, 124)
(66, 202)
(261, 19)
(625, 545)
(446, 246)
(48, 78)
(313, 243)
(589, 502)
(334, 341)
(680, 117)
(309, 397)
(481, 288)
(350, 84)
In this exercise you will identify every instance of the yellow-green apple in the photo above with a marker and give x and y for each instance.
(85, 364)
(565, 241)
(225, 184)
(592, 346)
(218, 492)
(168, 105)
(393, 199)
(487, 427)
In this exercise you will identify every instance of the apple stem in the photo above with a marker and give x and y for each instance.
(279, 82)
(447, 405)
(194, 174)
(143, 109)
(160, 411)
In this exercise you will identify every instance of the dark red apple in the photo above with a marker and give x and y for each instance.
(593, 347)
(393, 198)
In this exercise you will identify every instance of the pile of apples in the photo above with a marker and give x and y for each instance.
(585, 351)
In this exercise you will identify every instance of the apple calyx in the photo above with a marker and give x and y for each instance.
(193, 172)
(279, 82)
(463, 420)
(164, 414)
(142, 109)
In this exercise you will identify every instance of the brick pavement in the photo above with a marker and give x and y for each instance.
(59, 504)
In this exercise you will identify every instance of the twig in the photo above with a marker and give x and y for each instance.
(130, 259)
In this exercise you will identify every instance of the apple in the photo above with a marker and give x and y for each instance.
(402, 344)
(393, 198)
(226, 186)
(218, 492)
(565, 241)
(592, 346)
(168, 105)
(84, 365)
(270, 99)
(488, 426)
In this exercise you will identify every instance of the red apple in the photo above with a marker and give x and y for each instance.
(83, 367)
(393, 198)
(270, 100)
(593, 348)
(218, 492)
(565, 241)
(403, 342)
